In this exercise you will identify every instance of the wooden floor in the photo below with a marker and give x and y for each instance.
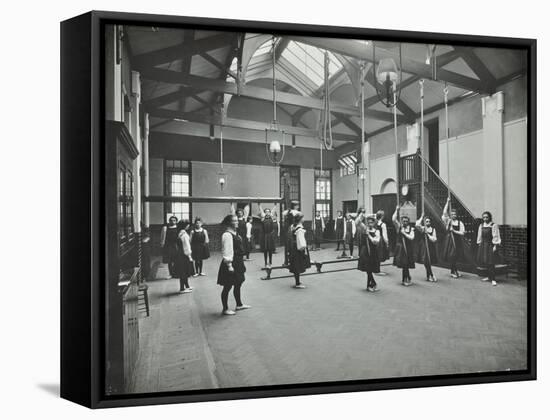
(333, 330)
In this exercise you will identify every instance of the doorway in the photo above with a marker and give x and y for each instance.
(433, 143)
(349, 206)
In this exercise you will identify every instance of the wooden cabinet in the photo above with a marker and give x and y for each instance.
(122, 262)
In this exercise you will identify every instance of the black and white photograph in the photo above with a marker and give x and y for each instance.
(285, 209)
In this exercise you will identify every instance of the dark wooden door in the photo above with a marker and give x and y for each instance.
(433, 144)
(387, 203)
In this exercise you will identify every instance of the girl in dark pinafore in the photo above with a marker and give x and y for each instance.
(427, 251)
(453, 250)
(199, 246)
(232, 269)
(299, 260)
(168, 239)
(340, 223)
(404, 246)
(488, 241)
(368, 239)
(318, 229)
(270, 232)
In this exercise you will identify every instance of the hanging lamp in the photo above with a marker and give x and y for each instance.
(274, 135)
(222, 175)
(389, 75)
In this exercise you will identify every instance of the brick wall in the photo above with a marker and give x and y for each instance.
(514, 246)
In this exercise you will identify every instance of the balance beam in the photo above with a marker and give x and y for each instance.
(170, 199)
(318, 265)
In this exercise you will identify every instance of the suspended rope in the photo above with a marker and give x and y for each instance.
(422, 144)
(396, 145)
(447, 134)
(362, 96)
(327, 125)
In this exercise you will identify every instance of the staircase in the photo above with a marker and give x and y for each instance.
(436, 192)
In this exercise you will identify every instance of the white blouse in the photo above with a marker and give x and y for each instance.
(186, 242)
(300, 237)
(227, 246)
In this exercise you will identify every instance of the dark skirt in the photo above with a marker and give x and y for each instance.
(382, 250)
(268, 242)
(453, 249)
(247, 245)
(485, 254)
(339, 232)
(425, 257)
(299, 261)
(404, 254)
(169, 253)
(200, 251)
(368, 262)
(227, 278)
(349, 237)
(183, 266)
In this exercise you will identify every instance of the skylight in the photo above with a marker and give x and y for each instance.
(310, 61)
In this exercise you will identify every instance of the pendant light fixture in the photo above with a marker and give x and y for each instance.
(274, 135)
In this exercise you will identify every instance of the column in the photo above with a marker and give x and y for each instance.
(145, 172)
(493, 146)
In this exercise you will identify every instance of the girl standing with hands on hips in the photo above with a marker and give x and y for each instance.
(488, 241)
(232, 269)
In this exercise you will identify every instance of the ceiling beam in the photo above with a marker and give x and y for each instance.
(280, 47)
(478, 67)
(169, 98)
(255, 92)
(188, 38)
(241, 124)
(169, 54)
(219, 65)
(364, 52)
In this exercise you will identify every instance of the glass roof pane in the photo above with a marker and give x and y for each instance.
(310, 61)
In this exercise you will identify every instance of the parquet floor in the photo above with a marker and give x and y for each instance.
(333, 330)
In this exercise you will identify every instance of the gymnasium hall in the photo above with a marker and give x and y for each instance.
(285, 209)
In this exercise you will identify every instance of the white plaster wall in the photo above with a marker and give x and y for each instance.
(515, 172)
(466, 169)
(343, 189)
(242, 181)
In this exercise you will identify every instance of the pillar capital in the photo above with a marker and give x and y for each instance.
(492, 104)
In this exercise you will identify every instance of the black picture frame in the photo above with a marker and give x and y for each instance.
(83, 204)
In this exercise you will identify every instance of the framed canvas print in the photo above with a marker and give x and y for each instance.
(254, 209)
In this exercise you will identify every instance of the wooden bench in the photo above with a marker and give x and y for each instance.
(499, 269)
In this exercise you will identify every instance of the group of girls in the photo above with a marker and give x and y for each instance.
(488, 241)
(185, 249)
